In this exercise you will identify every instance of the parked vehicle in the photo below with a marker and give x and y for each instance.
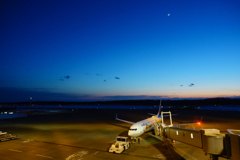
(10, 136)
(120, 145)
(5, 137)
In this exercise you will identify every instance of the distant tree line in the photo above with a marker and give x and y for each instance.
(176, 103)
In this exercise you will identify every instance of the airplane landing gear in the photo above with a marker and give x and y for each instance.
(134, 139)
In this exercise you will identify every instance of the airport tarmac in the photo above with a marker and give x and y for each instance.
(88, 133)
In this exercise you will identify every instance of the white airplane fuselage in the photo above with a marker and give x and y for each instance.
(138, 128)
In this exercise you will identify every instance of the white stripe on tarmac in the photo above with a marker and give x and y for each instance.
(15, 150)
(77, 155)
(39, 155)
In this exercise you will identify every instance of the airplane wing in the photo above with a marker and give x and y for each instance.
(163, 115)
(152, 114)
(199, 123)
(168, 115)
(123, 120)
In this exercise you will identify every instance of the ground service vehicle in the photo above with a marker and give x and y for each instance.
(5, 137)
(10, 136)
(120, 145)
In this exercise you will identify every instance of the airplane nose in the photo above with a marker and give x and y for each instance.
(129, 133)
(134, 133)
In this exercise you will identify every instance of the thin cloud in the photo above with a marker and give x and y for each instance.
(117, 78)
(67, 77)
(190, 85)
(64, 77)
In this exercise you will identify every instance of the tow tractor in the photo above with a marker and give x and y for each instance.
(120, 145)
(5, 137)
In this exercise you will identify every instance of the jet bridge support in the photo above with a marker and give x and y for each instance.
(170, 116)
(211, 141)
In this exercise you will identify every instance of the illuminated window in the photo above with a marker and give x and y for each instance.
(191, 135)
(177, 132)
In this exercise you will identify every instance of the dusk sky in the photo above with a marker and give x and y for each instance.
(87, 50)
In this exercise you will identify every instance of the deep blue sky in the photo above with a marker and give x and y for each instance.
(119, 49)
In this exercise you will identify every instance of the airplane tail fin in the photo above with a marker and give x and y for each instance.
(159, 111)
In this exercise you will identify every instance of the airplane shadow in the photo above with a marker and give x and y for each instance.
(150, 137)
(165, 148)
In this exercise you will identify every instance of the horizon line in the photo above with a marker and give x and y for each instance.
(165, 99)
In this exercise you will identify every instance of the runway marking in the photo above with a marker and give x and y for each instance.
(39, 155)
(77, 155)
(27, 140)
(15, 150)
(160, 156)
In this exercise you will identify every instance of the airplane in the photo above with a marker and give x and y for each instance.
(139, 128)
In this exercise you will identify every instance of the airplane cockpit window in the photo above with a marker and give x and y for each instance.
(133, 129)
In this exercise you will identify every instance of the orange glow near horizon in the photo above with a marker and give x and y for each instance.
(207, 95)
(183, 93)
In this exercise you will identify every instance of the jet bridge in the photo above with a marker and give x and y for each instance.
(211, 141)
(234, 143)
